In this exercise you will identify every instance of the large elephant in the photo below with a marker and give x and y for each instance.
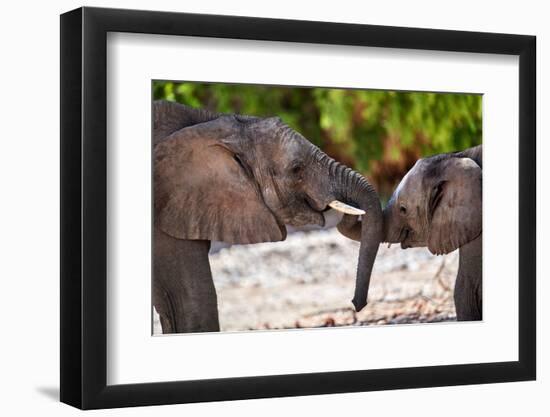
(238, 179)
(438, 204)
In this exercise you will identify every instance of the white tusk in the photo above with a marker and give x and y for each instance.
(344, 208)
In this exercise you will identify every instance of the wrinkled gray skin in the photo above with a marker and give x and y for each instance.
(237, 179)
(438, 204)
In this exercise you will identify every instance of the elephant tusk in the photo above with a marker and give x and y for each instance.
(345, 208)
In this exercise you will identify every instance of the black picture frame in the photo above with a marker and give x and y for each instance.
(84, 207)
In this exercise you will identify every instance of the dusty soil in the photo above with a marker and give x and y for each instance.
(308, 281)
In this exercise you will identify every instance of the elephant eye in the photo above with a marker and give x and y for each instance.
(243, 165)
(296, 169)
(239, 161)
(403, 209)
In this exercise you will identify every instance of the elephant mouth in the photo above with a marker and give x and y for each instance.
(403, 234)
(304, 212)
(405, 237)
(317, 213)
(317, 210)
(313, 205)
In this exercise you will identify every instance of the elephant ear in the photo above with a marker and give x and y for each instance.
(204, 187)
(454, 205)
(169, 117)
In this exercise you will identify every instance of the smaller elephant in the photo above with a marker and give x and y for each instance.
(438, 204)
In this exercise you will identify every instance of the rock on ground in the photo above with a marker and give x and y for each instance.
(308, 281)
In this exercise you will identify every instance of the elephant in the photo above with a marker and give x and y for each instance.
(438, 205)
(239, 179)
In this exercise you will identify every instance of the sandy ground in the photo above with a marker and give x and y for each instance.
(308, 281)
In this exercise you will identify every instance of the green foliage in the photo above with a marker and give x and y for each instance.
(380, 133)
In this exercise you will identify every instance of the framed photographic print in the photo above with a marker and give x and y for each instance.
(256, 208)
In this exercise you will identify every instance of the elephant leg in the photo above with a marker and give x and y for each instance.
(166, 324)
(468, 286)
(467, 297)
(183, 290)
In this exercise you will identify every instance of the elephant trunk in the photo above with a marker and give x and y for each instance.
(352, 188)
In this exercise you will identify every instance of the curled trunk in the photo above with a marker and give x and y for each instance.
(352, 188)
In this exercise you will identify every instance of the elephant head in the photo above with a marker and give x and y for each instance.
(438, 203)
(240, 179)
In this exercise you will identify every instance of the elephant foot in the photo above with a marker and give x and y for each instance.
(178, 314)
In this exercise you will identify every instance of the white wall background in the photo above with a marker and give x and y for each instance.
(29, 208)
